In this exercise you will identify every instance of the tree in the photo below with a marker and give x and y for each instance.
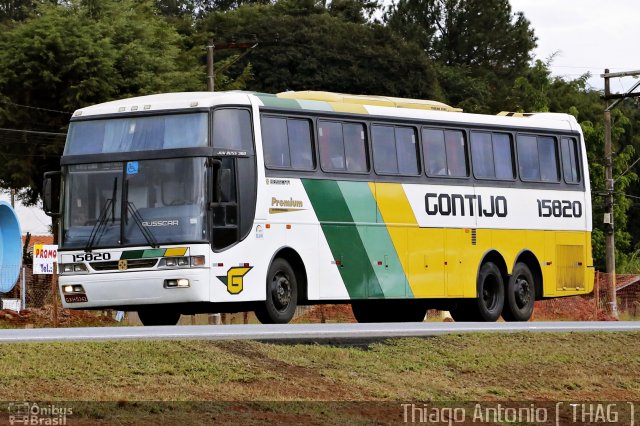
(70, 56)
(480, 46)
(303, 46)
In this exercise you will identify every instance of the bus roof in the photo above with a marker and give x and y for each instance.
(328, 101)
(166, 101)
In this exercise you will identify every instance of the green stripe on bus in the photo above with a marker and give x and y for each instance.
(344, 238)
(377, 241)
(273, 101)
(154, 253)
(132, 254)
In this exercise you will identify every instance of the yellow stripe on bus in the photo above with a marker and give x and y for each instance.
(403, 229)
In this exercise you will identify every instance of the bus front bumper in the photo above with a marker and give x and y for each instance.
(134, 289)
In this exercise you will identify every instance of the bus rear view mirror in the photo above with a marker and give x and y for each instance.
(51, 194)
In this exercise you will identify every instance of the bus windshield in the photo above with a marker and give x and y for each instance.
(137, 134)
(162, 202)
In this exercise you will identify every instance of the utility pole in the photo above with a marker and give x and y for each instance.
(610, 256)
(210, 74)
(223, 46)
(13, 198)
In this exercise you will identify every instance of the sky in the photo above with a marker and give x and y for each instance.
(585, 35)
(588, 36)
(31, 219)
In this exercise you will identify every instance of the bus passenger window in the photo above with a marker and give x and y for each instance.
(435, 155)
(570, 160)
(355, 147)
(482, 155)
(454, 142)
(548, 159)
(406, 147)
(331, 144)
(232, 129)
(503, 155)
(275, 142)
(384, 149)
(299, 135)
(528, 157)
(492, 155)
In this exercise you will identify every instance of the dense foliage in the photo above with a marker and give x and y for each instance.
(59, 55)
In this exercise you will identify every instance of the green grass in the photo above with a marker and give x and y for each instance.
(469, 367)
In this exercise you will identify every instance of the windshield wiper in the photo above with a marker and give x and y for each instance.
(101, 223)
(145, 231)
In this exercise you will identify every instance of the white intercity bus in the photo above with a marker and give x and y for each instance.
(185, 203)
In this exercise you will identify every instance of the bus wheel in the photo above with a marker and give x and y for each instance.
(365, 312)
(158, 316)
(282, 294)
(490, 301)
(521, 295)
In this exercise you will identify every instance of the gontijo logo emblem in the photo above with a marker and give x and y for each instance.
(234, 279)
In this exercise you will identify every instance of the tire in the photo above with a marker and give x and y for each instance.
(487, 307)
(366, 312)
(158, 316)
(520, 294)
(282, 294)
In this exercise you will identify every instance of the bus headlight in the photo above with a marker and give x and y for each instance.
(181, 262)
(70, 268)
(72, 288)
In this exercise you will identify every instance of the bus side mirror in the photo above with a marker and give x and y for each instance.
(51, 194)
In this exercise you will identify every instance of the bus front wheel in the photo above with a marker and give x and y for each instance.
(520, 295)
(157, 316)
(282, 294)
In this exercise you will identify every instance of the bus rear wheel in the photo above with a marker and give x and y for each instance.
(520, 295)
(282, 294)
(488, 304)
(158, 316)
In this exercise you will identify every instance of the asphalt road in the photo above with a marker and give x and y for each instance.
(302, 332)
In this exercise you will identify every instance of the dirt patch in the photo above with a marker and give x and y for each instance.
(575, 308)
(326, 313)
(43, 317)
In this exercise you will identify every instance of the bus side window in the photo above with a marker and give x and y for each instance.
(482, 155)
(456, 148)
(548, 159)
(492, 155)
(331, 144)
(299, 135)
(529, 166)
(503, 155)
(434, 152)
(355, 147)
(275, 142)
(444, 152)
(232, 129)
(384, 149)
(407, 151)
(570, 160)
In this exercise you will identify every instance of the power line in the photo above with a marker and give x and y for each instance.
(36, 108)
(33, 132)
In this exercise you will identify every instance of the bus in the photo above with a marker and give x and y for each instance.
(185, 203)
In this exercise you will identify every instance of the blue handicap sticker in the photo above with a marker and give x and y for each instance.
(132, 167)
